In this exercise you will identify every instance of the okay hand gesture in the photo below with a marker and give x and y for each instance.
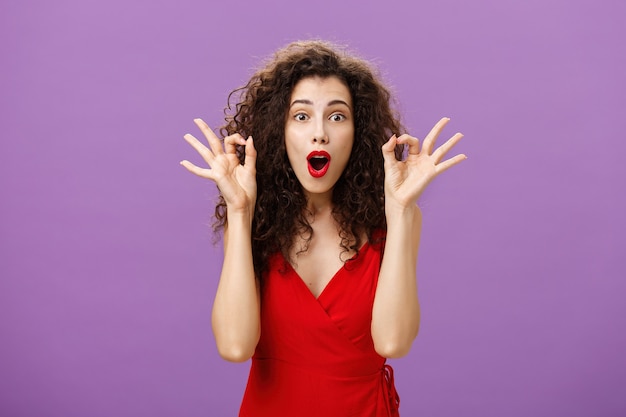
(236, 182)
(406, 180)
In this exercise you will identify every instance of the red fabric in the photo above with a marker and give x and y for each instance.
(316, 357)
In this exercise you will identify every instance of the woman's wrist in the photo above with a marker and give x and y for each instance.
(244, 214)
(402, 215)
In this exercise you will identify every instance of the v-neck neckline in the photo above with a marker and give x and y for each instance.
(332, 279)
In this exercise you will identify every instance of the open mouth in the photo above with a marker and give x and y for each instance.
(319, 161)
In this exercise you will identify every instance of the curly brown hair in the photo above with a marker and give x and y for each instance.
(261, 106)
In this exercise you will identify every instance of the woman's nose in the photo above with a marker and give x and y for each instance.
(320, 135)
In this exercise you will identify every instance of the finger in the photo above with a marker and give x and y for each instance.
(413, 142)
(205, 152)
(231, 142)
(201, 172)
(389, 149)
(250, 161)
(449, 163)
(441, 151)
(214, 141)
(429, 141)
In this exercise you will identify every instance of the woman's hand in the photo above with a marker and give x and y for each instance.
(236, 182)
(406, 180)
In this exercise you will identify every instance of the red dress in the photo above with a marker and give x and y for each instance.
(316, 357)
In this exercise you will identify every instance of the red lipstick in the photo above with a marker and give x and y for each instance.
(318, 162)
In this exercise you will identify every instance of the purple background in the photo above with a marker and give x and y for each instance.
(107, 263)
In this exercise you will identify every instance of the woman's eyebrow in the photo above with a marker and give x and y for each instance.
(301, 101)
(333, 102)
(310, 103)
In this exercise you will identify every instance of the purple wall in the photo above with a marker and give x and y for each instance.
(107, 265)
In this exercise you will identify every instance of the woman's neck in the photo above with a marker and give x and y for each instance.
(319, 204)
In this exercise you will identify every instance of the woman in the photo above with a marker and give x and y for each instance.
(321, 233)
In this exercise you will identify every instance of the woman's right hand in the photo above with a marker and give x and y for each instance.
(236, 182)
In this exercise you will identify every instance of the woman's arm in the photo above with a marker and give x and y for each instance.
(236, 310)
(235, 318)
(396, 311)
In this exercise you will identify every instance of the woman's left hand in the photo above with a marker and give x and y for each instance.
(406, 180)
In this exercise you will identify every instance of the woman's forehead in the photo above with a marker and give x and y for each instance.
(321, 90)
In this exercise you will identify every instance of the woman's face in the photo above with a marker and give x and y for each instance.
(319, 133)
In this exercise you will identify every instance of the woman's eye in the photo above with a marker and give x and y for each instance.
(337, 117)
(301, 117)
